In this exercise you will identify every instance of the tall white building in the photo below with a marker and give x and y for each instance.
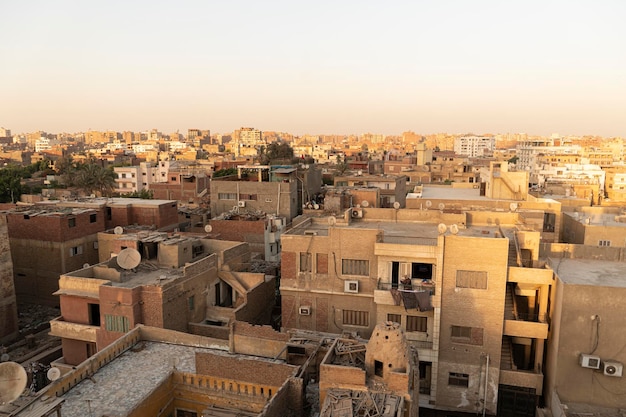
(474, 146)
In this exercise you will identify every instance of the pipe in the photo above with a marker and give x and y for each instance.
(486, 385)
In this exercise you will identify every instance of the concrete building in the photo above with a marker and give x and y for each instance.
(584, 365)
(615, 184)
(474, 146)
(184, 283)
(392, 187)
(595, 226)
(478, 323)
(257, 188)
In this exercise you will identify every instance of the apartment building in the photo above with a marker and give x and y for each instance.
(615, 184)
(271, 190)
(478, 322)
(595, 226)
(474, 146)
(392, 188)
(8, 300)
(184, 283)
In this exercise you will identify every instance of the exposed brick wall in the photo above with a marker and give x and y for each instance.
(288, 265)
(288, 311)
(241, 369)
(54, 228)
(321, 314)
(261, 332)
(8, 306)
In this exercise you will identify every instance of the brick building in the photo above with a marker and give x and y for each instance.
(8, 300)
(183, 283)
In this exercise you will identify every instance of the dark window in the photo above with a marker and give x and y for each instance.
(92, 218)
(396, 318)
(305, 262)
(378, 368)
(191, 302)
(109, 214)
(71, 222)
(458, 380)
(416, 324)
(94, 314)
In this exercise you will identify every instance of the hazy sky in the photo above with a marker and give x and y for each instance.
(314, 67)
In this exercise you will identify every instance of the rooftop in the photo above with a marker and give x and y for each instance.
(590, 272)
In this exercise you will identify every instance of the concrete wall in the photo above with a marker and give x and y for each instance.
(258, 340)
(573, 332)
(480, 309)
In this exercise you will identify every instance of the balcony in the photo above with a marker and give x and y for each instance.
(64, 329)
(383, 296)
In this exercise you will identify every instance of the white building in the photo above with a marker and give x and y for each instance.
(474, 146)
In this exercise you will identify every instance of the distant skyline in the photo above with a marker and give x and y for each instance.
(342, 67)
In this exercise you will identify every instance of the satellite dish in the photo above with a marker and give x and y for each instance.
(513, 206)
(359, 172)
(13, 380)
(118, 230)
(316, 206)
(332, 220)
(86, 265)
(53, 374)
(396, 205)
(441, 228)
(441, 206)
(428, 203)
(128, 258)
(365, 203)
(208, 228)
(454, 229)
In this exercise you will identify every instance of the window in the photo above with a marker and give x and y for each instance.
(467, 335)
(93, 218)
(247, 197)
(416, 324)
(549, 221)
(356, 318)
(355, 267)
(191, 302)
(227, 196)
(76, 250)
(71, 222)
(305, 262)
(471, 279)
(604, 243)
(396, 318)
(116, 323)
(458, 380)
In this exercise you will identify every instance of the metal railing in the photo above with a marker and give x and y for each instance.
(420, 286)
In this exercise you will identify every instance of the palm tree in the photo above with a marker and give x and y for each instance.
(92, 178)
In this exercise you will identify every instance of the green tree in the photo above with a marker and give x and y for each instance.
(94, 179)
(275, 153)
(10, 184)
(341, 166)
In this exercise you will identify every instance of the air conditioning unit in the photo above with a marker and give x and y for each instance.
(241, 204)
(351, 286)
(305, 310)
(612, 368)
(357, 213)
(589, 361)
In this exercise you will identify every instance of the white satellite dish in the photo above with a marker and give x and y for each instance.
(513, 206)
(53, 374)
(128, 258)
(332, 220)
(365, 203)
(441, 206)
(396, 205)
(86, 265)
(359, 172)
(13, 380)
(118, 230)
(454, 229)
(316, 206)
(428, 203)
(208, 228)
(441, 228)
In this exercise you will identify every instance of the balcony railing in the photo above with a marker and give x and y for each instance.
(418, 286)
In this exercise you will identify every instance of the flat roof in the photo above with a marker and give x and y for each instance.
(590, 272)
(451, 193)
(124, 383)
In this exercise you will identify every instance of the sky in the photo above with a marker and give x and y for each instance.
(317, 67)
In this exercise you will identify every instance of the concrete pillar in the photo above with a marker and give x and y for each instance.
(539, 346)
(544, 293)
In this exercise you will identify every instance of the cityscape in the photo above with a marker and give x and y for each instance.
(330, 209)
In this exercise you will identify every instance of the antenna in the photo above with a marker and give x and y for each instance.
(365, 203)
(332, 220)
(13, 380)
(118, 230)
(128, 258)
(53, 374)
(208, 228)
(441, 228)
(396, 205)
(428, 203)
(454, 229)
